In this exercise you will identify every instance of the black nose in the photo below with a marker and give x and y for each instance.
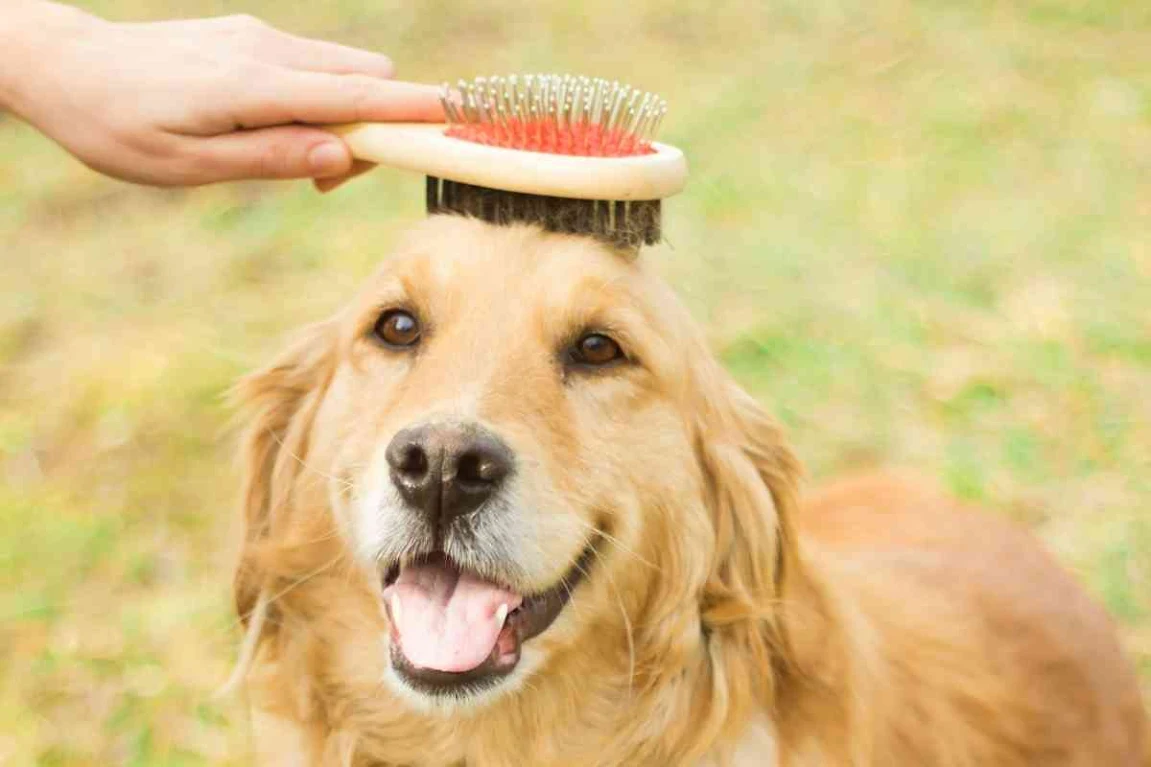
(447, 470)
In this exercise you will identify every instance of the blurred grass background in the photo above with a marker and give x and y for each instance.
(920, 231)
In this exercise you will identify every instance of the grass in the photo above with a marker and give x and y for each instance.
(920, 231)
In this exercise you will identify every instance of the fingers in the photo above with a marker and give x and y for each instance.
(319, 56)
(359, 167)
(289, 151)
(287, 96)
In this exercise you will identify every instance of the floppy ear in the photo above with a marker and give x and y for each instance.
(279, 404)
(752, 485)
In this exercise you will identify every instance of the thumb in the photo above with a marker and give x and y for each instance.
(286, 151)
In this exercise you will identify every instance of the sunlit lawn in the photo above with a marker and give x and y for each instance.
(921, 234)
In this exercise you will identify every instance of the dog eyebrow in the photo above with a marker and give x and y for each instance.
(389, 293)
(623, 310)
(626, 324)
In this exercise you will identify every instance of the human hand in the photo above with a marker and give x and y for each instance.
(183, 103)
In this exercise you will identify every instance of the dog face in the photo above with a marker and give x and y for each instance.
(520, 436)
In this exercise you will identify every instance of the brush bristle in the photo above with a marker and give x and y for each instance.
(625, 225)
(557, 114)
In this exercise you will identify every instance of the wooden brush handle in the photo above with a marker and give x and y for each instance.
(423, 148)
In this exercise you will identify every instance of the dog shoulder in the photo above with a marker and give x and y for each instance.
(976, 624)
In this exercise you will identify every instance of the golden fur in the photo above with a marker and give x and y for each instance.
(723, 621)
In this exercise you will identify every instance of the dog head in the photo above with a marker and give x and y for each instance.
(524, 446)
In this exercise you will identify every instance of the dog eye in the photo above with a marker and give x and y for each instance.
(596, 350)
(398, 329)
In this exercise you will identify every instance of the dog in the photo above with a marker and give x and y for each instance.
(505, 508)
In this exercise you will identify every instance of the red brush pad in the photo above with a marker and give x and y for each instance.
(580, 139)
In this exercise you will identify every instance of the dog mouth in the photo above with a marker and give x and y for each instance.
(454, 630)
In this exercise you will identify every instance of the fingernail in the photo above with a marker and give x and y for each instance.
(329, 159)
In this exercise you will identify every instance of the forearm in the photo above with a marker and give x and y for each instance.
(27, 30)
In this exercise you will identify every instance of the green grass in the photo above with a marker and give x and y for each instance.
(920, 231)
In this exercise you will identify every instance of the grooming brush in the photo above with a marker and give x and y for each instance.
(572, 154)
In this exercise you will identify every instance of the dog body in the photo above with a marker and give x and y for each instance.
(506, 509)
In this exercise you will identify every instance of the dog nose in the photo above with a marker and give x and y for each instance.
(447, 470)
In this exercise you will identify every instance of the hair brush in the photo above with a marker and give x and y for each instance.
(572, 154)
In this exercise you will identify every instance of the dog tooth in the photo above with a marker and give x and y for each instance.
(502, 614)
(395, 608)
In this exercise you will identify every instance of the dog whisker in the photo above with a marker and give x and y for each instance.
(618, 544)
(258, 616)
(329, 535)
(345, 483)
(626, 621)
(302, 580)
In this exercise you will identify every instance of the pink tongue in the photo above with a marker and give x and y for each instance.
(447, 619)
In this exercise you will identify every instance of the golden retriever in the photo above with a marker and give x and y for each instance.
(506, 509)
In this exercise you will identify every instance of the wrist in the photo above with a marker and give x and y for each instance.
(28, 30)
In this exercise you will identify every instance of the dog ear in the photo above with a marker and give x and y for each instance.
(278, 404)
(751, 481)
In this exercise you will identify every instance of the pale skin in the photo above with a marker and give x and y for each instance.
(186, 103)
